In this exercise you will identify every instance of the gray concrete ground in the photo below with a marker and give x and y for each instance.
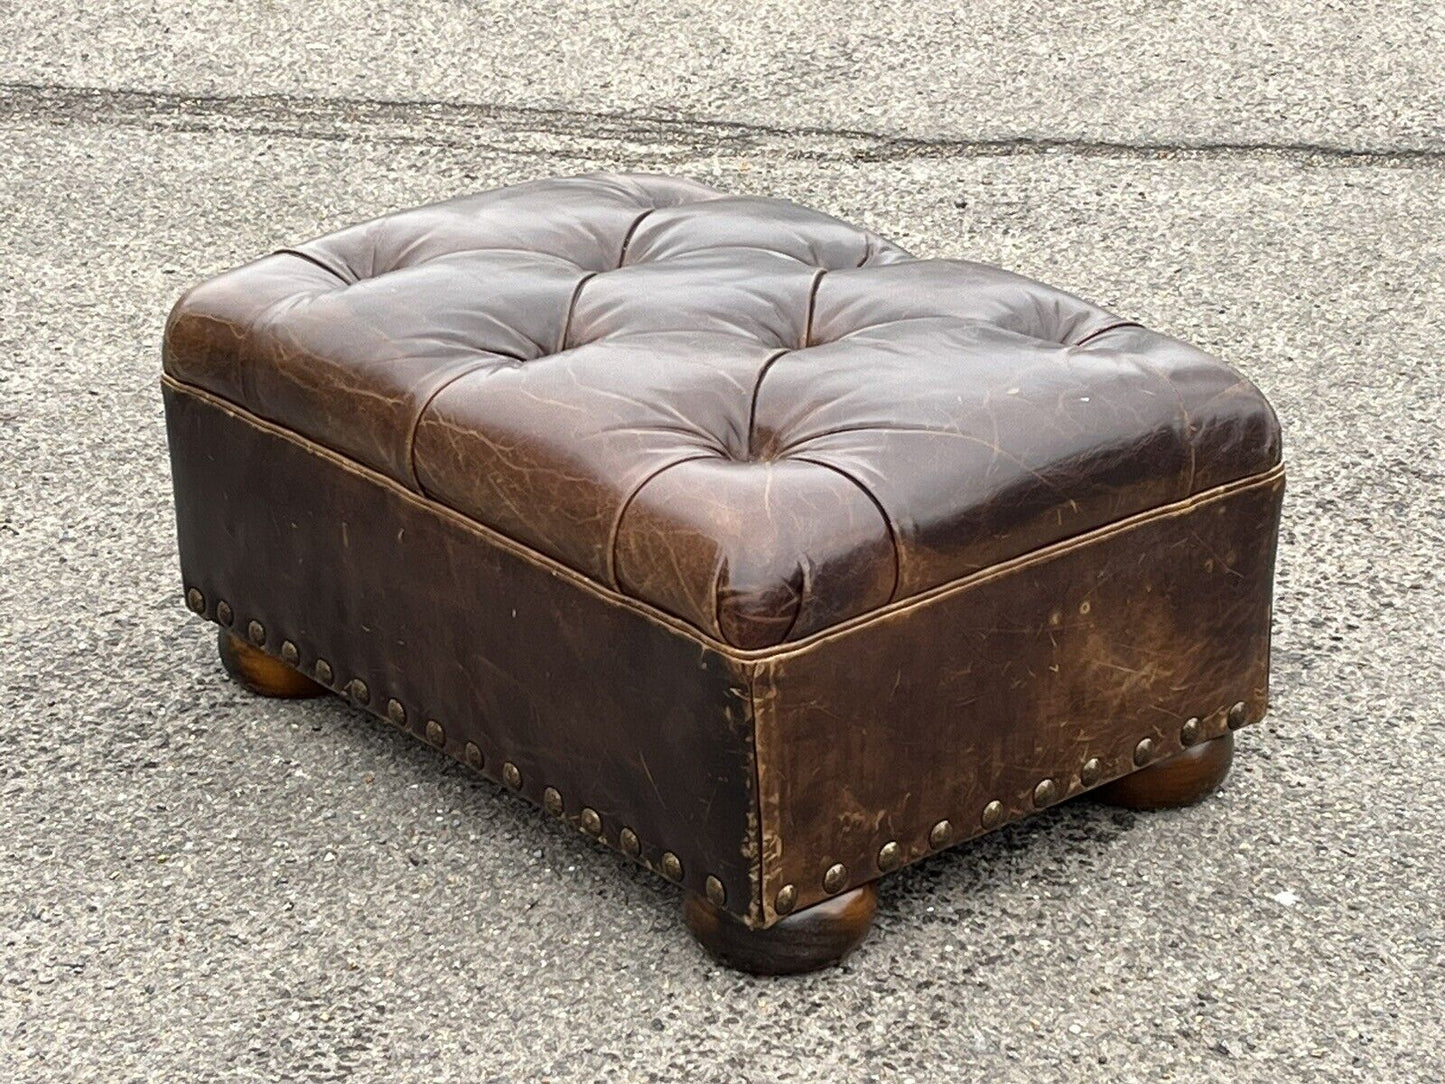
(196, 885)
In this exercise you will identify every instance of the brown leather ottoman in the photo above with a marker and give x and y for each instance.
(754, 547)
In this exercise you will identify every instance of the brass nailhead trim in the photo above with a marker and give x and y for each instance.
(1237, 716)
(511, 775)
(397, 714)
(1143, 752)
(717, 895)
(224, 614)
(1045, 793)
(474, 756)
(890, 856)
(1090, 772)
(195, 601)
(434, 732)
(1189, 732)
(671, 866)
(940, 834)
(835, 877)
(630, 844)
(786, 900)
(257, 632)
(357, 690)
(323, 672)
(992, 814)
(552, 801)
(590, 821)
(290, 655)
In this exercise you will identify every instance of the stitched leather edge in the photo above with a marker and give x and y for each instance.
(652, 613)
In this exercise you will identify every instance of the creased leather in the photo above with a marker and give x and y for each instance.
(619, 713)
(730, 521)
(930, 713)
(748, 413)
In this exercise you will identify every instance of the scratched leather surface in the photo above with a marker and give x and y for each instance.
(615, 711)
(931, 712)
(751, 415)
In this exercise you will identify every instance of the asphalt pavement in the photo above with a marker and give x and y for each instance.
(198, 885)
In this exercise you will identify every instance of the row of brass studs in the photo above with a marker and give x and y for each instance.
(1046, 792)
(357, 690)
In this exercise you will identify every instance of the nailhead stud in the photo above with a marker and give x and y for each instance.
(397, 713)
(257, 632)
(671, 866)
(435, 733)
(717, 895)
(474, 756)
(511, 775)
(631, 845)
(940, 834)
(1143, 752)
(1090, 772)
(590, 821)
(786, 900)
(195, 601)
(552, 801)
(290, 655)
(1189, 732)
(1045, 793)
(992, 814)
(224, 614)
(1237, 716)
(890, 856)
(835, 877)
(323, 672)
(357, 690)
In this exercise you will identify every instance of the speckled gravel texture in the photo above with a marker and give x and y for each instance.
(199, 885)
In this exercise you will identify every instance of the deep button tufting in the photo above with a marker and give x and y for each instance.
(818, 241)
(749, 414)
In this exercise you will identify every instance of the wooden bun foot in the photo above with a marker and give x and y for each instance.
(1179, 781)
(259, 673)
(818, 937)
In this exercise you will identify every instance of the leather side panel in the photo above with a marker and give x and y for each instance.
(981, 693)
(618, 712)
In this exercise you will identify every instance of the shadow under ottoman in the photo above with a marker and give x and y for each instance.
(756, 548)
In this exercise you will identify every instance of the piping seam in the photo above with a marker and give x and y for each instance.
(1258, 480)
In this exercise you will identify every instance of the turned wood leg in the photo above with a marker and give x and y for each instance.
(1181, 780)
(817, 937)
(260, 673)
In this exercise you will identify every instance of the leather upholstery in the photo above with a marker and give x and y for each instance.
(599, 701)
(750, 415)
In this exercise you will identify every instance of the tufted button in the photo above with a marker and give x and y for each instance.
(750, 415)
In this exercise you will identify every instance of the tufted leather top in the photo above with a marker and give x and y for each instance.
(748, 414)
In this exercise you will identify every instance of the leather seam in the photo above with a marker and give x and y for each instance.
(888, 524)
(622, 510)
(1223, 491)
(753, 406)
(1144, 362)
(753, 673)
(314, 261)
(571, 309)
(421, 413)
(627, 237)
(813, 305)
(1104, 331)
(778, 356)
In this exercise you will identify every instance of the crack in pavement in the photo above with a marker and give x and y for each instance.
(514, 129)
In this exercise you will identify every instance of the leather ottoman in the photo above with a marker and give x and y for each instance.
(754, 547)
